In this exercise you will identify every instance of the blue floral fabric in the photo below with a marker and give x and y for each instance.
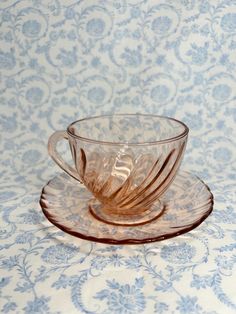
(64, 60)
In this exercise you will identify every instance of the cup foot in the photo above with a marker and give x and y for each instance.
(96, 209)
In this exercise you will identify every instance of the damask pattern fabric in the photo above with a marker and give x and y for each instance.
(64, 60)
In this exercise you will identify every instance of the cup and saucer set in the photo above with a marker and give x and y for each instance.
(125, 186)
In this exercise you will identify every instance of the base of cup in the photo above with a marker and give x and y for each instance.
(97, 210)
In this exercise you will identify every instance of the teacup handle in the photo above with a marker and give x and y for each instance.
(52, 150)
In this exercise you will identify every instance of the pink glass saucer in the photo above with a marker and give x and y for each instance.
(188, 202)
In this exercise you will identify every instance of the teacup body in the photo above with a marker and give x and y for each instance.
(126, 161)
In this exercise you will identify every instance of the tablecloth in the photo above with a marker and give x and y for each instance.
(64, 60)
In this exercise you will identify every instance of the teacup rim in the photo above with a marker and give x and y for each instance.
(158, 142)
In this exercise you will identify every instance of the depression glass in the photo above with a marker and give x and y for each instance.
(126, 161)
(188, 202)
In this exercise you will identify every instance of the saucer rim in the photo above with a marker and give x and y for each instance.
(128, 241)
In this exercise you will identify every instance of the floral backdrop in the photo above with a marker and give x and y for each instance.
(64, 60)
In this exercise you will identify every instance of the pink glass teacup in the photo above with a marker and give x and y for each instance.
(126, 161)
